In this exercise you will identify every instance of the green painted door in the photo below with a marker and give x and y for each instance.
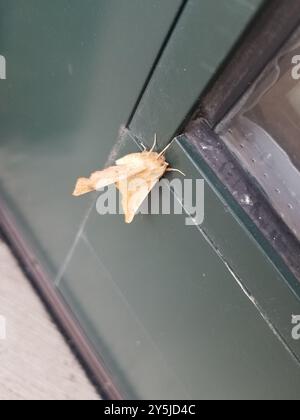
(175, 311)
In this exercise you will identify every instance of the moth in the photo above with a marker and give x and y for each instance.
(134, 175)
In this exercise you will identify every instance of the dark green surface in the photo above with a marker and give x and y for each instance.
(75, 70)
(202, 39)
(169, 314)
(165, 304)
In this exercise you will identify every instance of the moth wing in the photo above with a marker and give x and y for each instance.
(135, 190)
(108, 176)
(135, 159)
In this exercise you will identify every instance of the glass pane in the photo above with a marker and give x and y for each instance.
(263, 131)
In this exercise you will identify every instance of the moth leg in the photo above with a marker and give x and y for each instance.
(176, 170)
(165, 149)
(154, 144)
(143, 146)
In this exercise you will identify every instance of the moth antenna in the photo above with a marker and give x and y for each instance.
(154, 144)
(165, 149)
(176, 170)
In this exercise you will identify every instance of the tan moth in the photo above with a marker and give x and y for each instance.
(135, 175)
